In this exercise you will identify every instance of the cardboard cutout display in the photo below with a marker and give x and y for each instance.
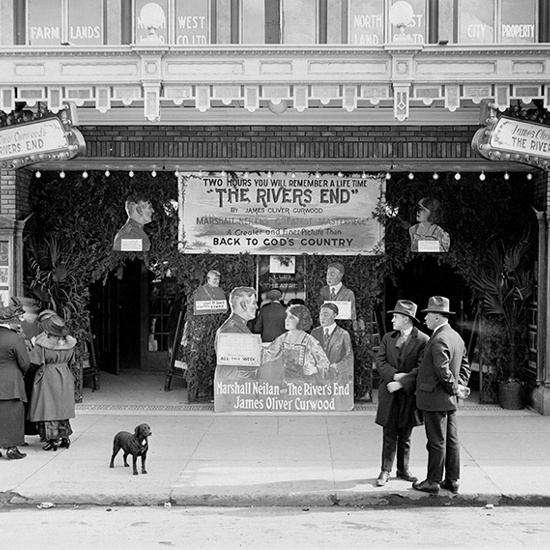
(336, 293)
(294, 374)
(131, 237)
(426, 235)
(210, 298)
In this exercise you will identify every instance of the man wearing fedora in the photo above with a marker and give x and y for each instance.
(397, 363)
(443, 368)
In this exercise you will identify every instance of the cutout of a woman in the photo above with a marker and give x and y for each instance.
(426, 231)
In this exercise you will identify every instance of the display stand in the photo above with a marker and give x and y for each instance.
(172, 369)
(90, 368)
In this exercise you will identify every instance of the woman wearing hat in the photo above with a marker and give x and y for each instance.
(14, 362)
(52, 402)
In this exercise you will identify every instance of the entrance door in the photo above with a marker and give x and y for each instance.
(117, 318)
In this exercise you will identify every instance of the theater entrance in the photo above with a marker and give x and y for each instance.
(132, 315)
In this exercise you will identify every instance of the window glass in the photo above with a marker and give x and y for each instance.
(408, 21)
(150, 13)
(223, 20)
(366, 18)
(335, 32)
(476, 22)
(192, 22)
(446, 20)
(299, 21)
(253, 21)
(44, 23)
(85, 22)
(517, 21)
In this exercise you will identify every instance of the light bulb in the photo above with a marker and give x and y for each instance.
(131, 173)
(200, 174)
(107, 173)
(364, 176)
(177, 173)
(388, 176)
(84, 174)
(529, 176)
(482, 176)
(340, 174)
(61, 174)
(317, 175)
(457, 176)
(38, 174)
(246, 175)
(506, 176)
(411, 176)
(269, 174)
(435, 176)
(293, 175)
(154, 173)
(223, 174)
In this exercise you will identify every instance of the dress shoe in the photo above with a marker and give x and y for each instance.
(383, 478)
(407, 476)
(13, 454)
(449, 485)
(51, 446)
(65, 442)
(427, 486)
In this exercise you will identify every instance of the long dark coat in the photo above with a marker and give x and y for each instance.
(14, 362)
(389, 360)
(443, 367)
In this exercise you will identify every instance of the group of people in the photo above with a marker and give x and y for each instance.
(421, 380)
(36, 382)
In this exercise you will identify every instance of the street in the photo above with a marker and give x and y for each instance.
(273, 528)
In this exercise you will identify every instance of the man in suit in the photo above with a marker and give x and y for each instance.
(336, 343)
(335, 291)
(270, 322)
(443, 369)
(397, 362)
(131, 236)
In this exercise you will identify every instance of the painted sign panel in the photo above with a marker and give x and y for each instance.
(513, 139)
(151, 14)
(33, 141)
(192, 23)
(44, 23)
(85, 22)
(280, 213)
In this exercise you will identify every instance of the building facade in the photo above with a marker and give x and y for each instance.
(327, 86)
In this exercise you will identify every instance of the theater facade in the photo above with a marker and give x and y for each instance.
(348, 90)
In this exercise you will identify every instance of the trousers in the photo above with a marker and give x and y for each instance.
(443, 446)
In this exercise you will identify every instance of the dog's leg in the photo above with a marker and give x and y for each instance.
(116, 448)
(143, 457)
(126, 453)
(134, 464)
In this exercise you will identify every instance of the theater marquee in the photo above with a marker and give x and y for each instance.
(39, 141)
(511, 139)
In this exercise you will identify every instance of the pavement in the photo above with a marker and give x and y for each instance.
(198, 457)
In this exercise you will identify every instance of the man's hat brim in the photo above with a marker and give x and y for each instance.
(404, 313)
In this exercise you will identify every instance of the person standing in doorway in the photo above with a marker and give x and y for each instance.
(444, 368)
(270, 322)
(397, 362)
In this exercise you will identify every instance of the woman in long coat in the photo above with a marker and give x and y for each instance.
(52, 401)
(14, 362)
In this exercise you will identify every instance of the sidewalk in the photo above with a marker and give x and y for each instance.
(197, 457)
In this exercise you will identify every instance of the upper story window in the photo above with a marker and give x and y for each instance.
(493, 21)
(359, 23)
(55, 22)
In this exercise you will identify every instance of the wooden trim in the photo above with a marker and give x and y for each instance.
(235, 22)
(544, 21)
(323, 23)
(433, 21)
(19, 22)
(272, 21)
(126, 21)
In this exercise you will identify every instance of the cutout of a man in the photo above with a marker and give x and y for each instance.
(131, 237)
(336, 343)
(210, 292)
(242, 301)
(335, 291)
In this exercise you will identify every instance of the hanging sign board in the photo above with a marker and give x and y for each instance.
(280, 213)
(24, 144)
(513, 139)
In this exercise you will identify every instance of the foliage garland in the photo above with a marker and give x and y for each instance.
(85, 214)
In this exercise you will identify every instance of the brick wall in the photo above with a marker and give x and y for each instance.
(14, 193)
(270, 142)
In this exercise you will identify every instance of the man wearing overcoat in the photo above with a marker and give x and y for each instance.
(444, 368)
(397, 362)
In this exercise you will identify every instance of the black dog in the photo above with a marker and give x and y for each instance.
(132, 444)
